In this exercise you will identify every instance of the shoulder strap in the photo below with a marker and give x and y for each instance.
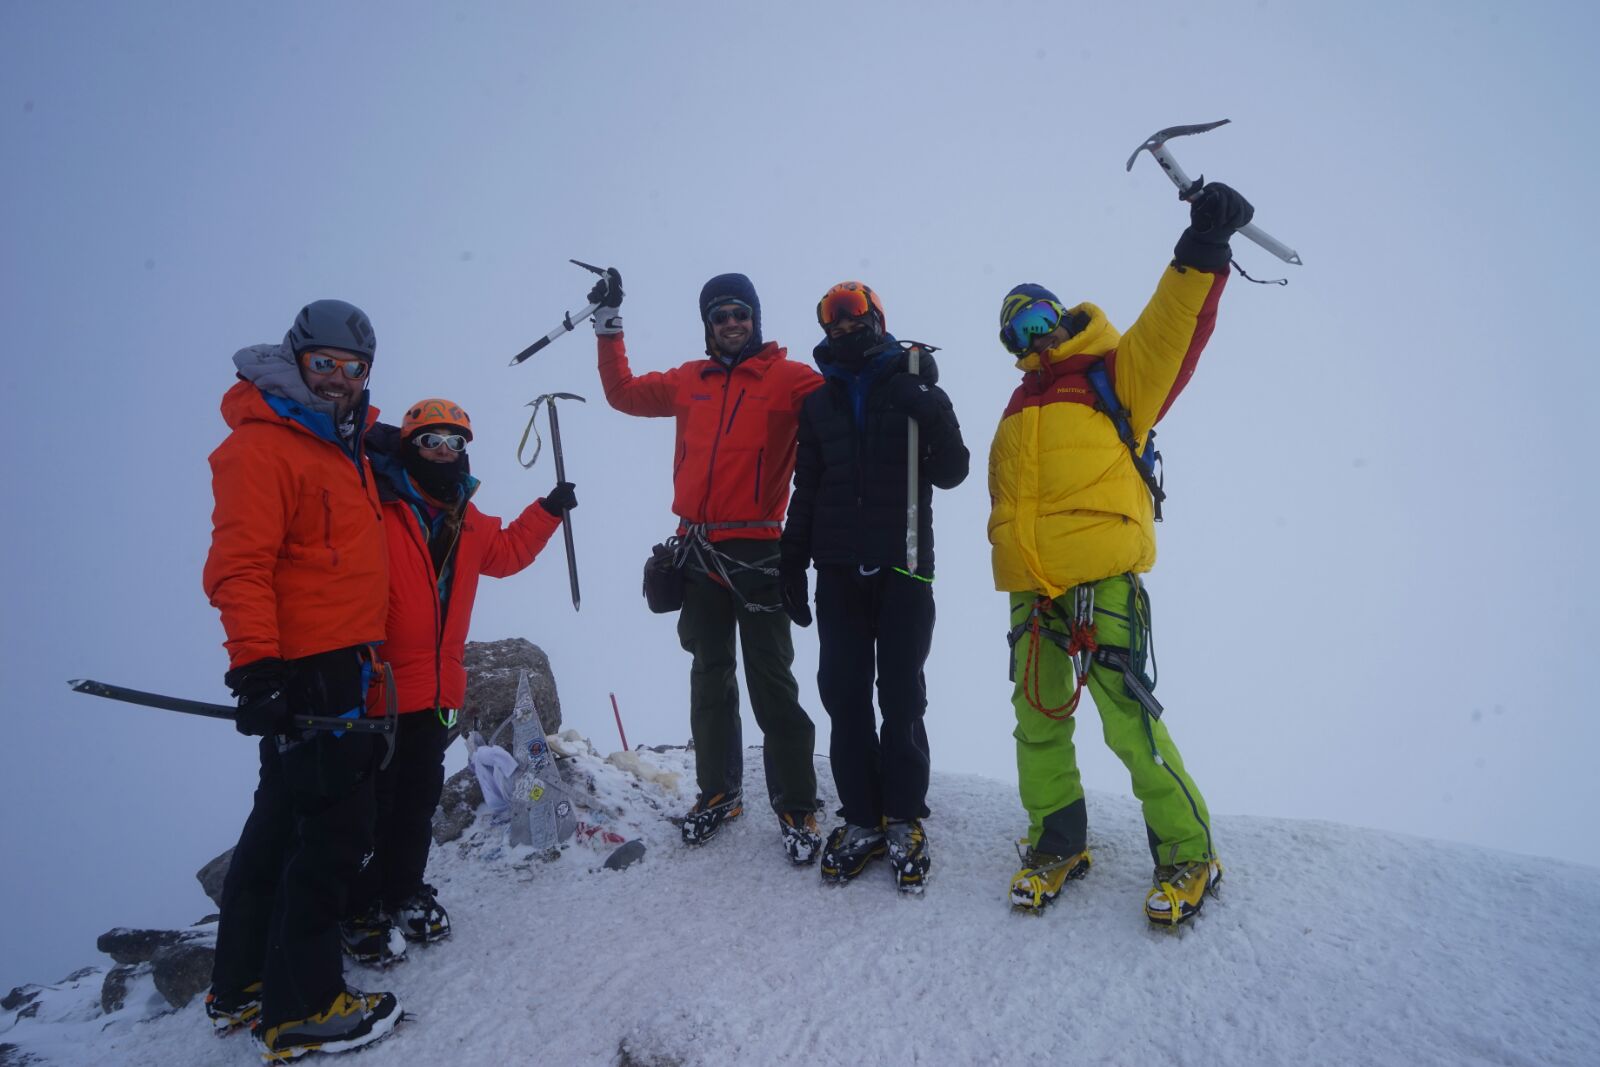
(1146, 460)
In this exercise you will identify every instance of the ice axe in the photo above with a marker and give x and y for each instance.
(569, 322)
(1187, 190)
(549, 401)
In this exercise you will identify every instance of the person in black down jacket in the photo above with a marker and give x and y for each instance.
(874, 617)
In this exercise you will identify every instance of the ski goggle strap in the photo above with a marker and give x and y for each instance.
(1033, 320)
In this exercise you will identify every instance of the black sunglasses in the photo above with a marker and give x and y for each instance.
(736, 312)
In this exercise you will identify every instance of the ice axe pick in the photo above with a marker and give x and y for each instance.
(1156, 144)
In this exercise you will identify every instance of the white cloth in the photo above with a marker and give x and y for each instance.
(494, 767)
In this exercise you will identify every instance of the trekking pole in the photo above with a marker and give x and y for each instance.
(1156, 144)
(569, 322)
(913, 448)
(549, 400)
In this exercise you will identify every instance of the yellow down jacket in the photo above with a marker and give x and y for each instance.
(1067, 503)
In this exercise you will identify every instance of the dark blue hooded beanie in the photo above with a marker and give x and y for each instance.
(720, 290)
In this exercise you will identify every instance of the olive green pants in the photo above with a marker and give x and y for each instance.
(1175, 816)
(707, 624)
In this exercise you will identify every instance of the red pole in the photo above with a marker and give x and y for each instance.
(618, 714)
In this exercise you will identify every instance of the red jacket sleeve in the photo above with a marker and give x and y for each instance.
(648, 394)
(511, 549)
(254, 497)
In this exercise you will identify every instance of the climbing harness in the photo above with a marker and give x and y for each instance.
(715, 564)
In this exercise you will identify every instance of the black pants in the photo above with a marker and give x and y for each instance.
(875, 626)
(407, 792)
(303, 843)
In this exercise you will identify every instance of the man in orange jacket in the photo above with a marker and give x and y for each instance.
(736, 412)
(297, 569)
(439, 543)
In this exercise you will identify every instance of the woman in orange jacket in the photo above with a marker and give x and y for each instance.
(439, 544)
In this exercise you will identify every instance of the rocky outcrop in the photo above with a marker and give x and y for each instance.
(179, 961)
(493, 668)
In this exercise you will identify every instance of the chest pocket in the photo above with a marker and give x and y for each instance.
(744, 427)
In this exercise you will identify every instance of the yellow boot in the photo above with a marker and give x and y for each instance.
(1042, 876)
(1180, 890)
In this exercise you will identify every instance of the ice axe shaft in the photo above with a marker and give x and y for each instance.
(1156, 145)
(549, 399)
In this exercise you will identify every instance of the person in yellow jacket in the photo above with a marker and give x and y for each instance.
(1072, 530)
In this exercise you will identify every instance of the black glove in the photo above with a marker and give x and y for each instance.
(913, 395)
(263, 701)
(607, 292)
(1215, 214)
(561, 499)
(796, 595)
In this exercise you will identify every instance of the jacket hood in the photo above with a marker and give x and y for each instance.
(1098, 337)
(720, 290)
(273, 370)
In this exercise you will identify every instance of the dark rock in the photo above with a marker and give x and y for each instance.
(114, 990)
(12, 1056)
(137, 946)
(458, 806)
(22, 994)
(182, 971)
(493, 668)
(80, 974)
(212, 874)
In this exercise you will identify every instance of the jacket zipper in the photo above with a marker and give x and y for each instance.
(327, 526)
(711, 467)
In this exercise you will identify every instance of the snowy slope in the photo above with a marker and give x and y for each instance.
(1328, 945)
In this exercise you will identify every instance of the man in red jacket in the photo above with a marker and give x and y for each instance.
(297, 570)
(439, 543)
(736, 413)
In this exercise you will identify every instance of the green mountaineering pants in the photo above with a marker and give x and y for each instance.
(710, 616)
(1176, 820)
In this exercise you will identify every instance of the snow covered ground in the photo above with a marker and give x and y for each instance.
(1328, 945)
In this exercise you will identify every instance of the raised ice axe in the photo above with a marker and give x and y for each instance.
(549, 400)
(1157, 146)
(569, 322)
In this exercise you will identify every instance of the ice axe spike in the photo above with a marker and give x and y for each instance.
(1156, 144)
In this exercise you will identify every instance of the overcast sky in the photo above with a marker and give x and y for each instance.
(1374, 599)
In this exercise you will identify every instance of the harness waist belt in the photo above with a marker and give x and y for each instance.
(766, 524)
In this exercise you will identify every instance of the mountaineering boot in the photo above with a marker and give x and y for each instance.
(707, 816)
(372, 939)
(908, 853)
(848, 850)
(1042, 875)
(354, 1020)
(1184, 885)
(801, 838)
(229, 1011)
(421, 917)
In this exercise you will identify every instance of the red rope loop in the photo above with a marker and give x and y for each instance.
(1080, 639)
